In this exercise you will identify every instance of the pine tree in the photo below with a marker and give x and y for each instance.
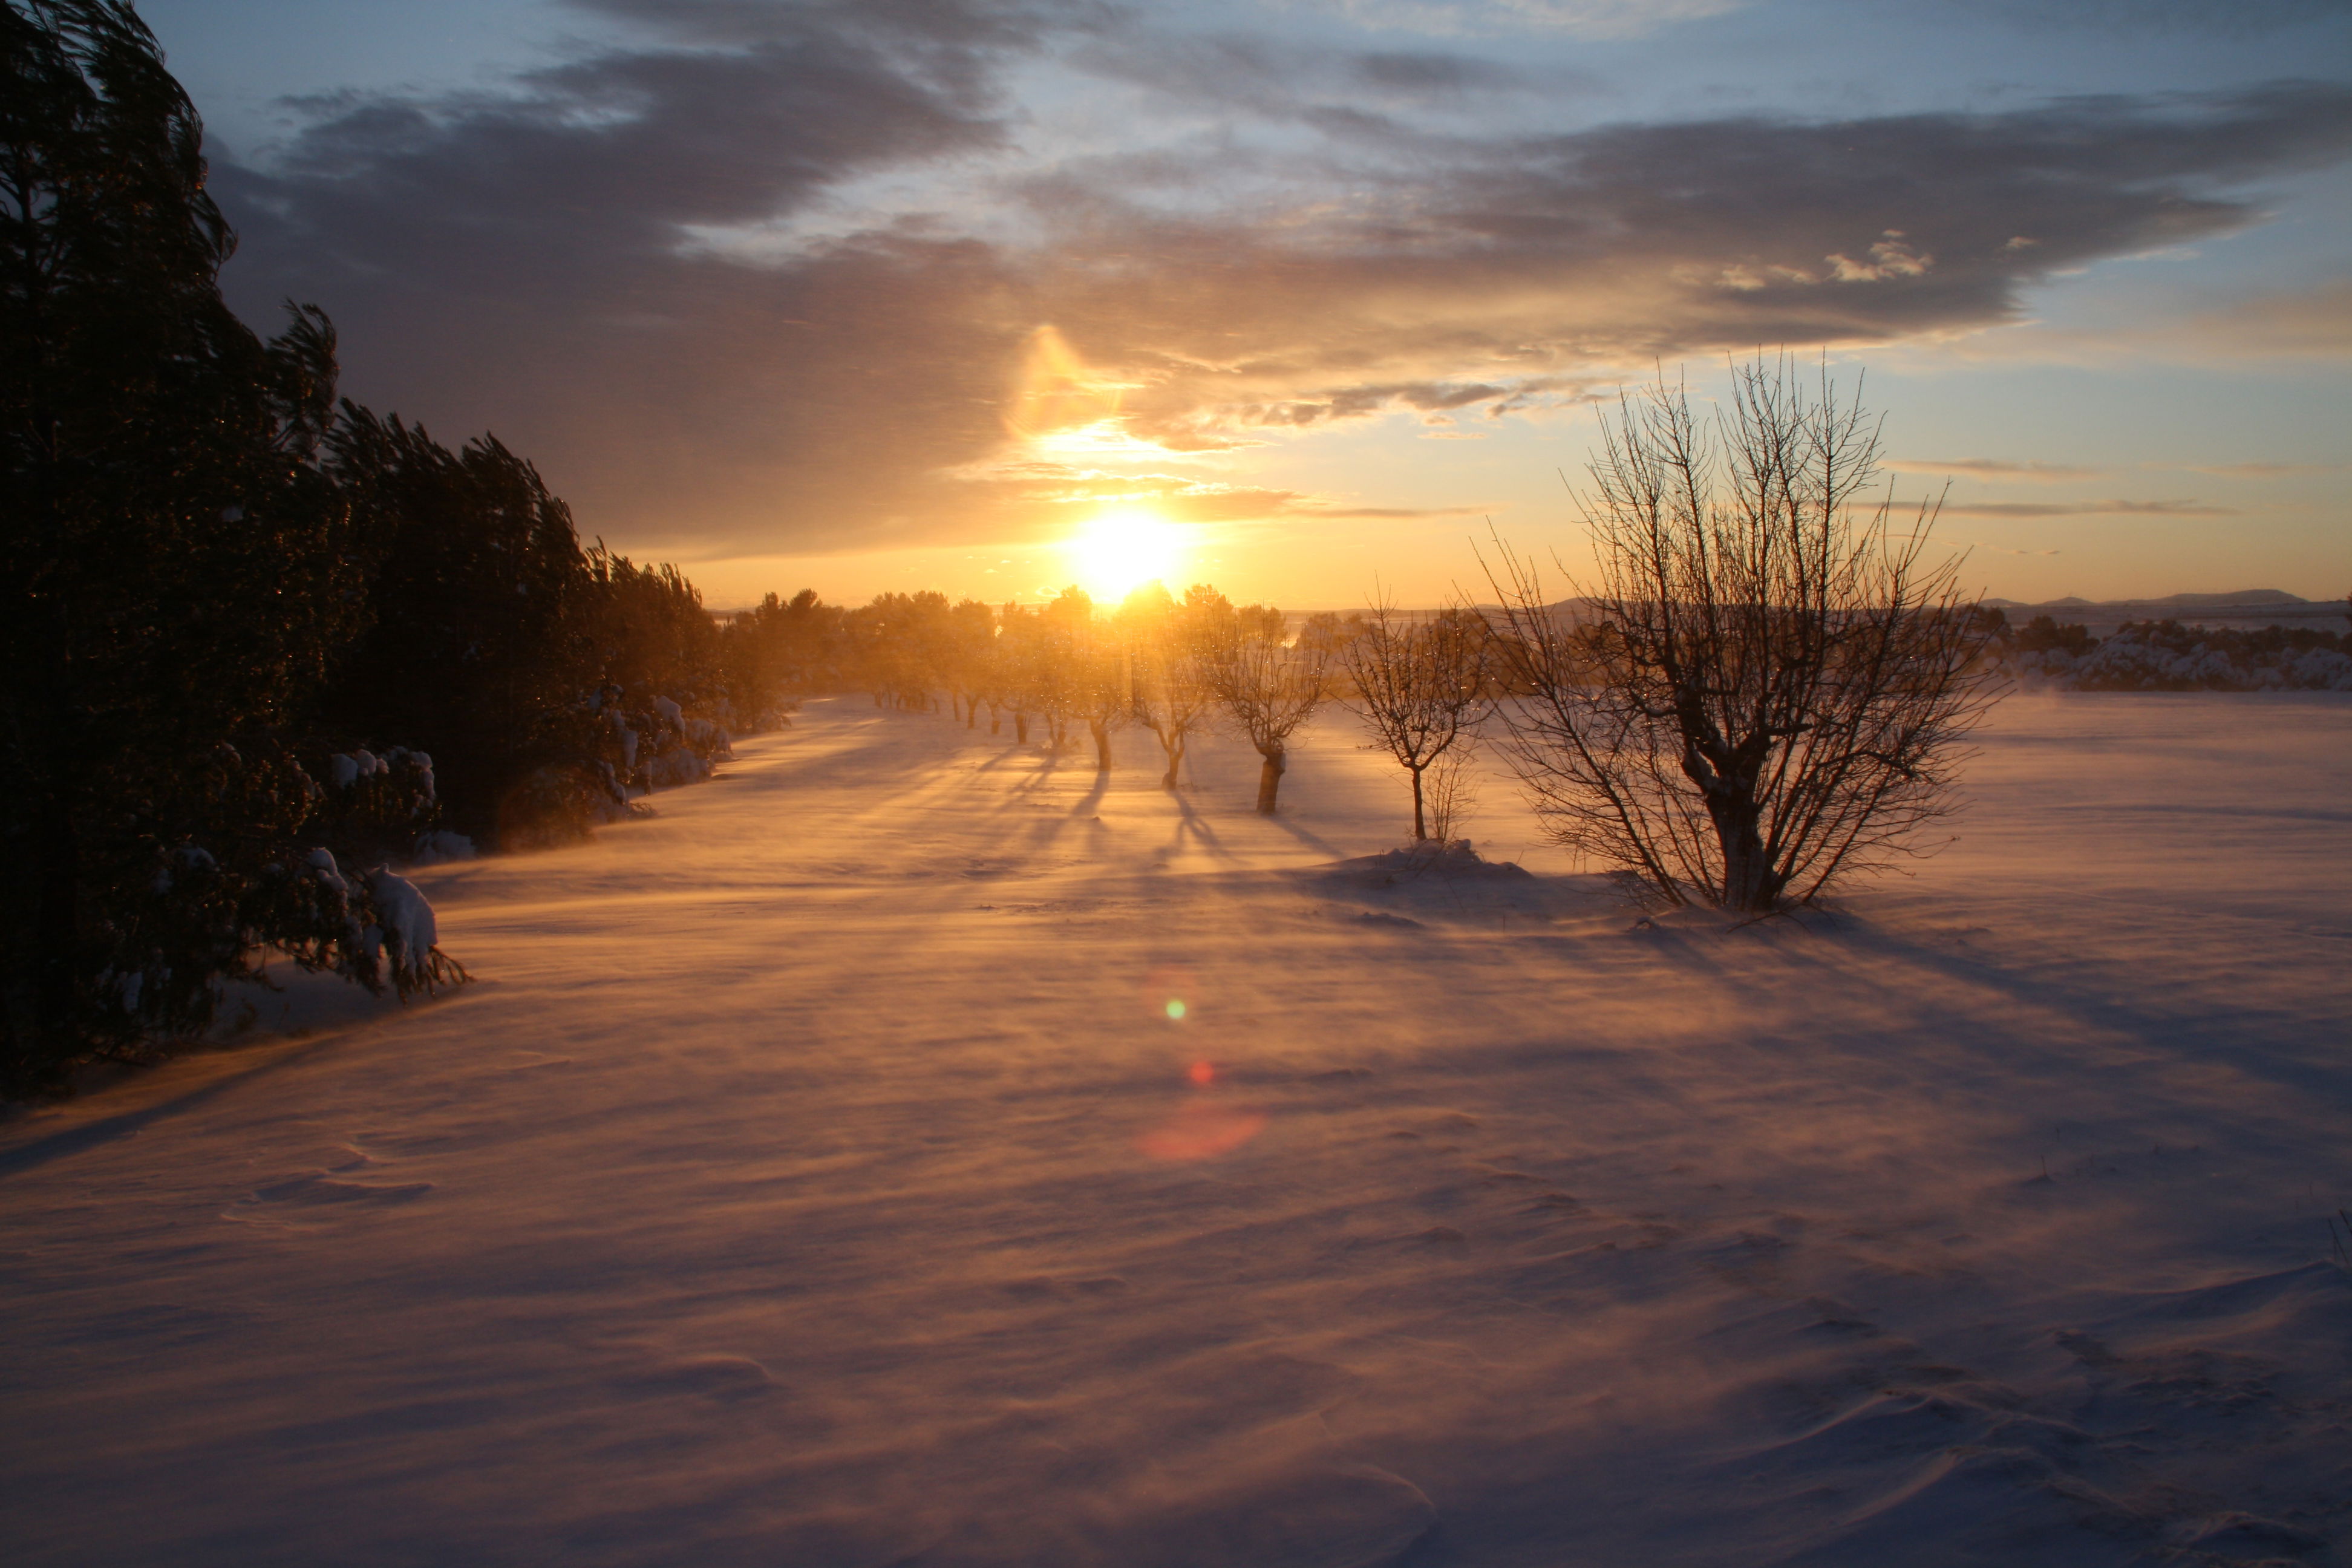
(179, 567)
(481, 642)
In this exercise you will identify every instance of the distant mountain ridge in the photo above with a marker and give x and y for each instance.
(2246, 607)
(2249, 598)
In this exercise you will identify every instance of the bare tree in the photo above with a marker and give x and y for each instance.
(1453, 789)
(1269, 688)
(1168, 688)
(1019, 633)
(1062, 666)
(1419, 686)
(970, 644)
(1767, 688)
(1101, 685)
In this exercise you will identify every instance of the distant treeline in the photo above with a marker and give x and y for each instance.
(2166, 655)
(1176, 667)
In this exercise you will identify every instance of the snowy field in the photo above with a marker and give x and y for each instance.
(817, 1175)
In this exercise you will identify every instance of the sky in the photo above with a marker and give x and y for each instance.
(1308, 298)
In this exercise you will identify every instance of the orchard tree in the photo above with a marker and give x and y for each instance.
(1773, 686)
(1066, 623)
(1168, 665)
(1020, 637)
(1419, 685)
(1268, 687)
(1099, 680)
(970, 641)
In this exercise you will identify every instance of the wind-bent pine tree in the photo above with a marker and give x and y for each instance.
(182, 567)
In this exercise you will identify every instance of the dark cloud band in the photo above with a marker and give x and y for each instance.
(544, 262)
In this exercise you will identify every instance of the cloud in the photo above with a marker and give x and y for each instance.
(2310, 324)
(2090, 509)
(950, 32)
(1989, 467)
(2141, 18)
(769, 284)
(1044, 483)
(1274, 78)
(1550, 264)
(2262, 470)
(1582, 19)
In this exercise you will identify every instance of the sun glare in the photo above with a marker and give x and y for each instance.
(1120, 550)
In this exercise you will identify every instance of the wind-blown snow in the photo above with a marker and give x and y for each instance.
(440, 847)
(820, 1174)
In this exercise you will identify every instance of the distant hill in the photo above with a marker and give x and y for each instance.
(2244, 609)
(2246, 598)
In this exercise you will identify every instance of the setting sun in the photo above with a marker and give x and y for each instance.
(1122, 550)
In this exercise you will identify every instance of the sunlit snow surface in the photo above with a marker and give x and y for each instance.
(819, 1175)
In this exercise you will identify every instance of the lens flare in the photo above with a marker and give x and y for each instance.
(1202, 1130)
(1171, 991)
(1201, 1073)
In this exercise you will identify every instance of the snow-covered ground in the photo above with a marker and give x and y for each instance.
(817, 1175)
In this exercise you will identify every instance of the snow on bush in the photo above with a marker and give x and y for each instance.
(328, 874)
(404, 917)
(661, 746)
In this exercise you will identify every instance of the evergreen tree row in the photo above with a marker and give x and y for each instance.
(256, 642)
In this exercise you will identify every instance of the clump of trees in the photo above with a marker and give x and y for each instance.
(1769, 685)
(256, 641)
(2167, 656)
(1172, 666)
(183, 568)
(1180, 669)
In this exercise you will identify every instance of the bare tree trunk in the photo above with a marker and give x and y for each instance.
(1101, 729)
(1269, 779)
(1420, 832)
(1748, 882)
(1020, 727)
(995, 720)
(1175, 760)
